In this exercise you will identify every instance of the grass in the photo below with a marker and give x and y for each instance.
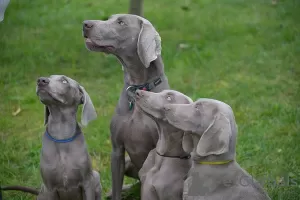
(245, 53)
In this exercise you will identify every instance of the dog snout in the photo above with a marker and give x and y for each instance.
(42, 81)
(87, 24)
(139, 93)
(167, 108)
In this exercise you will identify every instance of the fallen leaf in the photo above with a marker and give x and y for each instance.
(15, 113)
(279, 150)
(183, 46)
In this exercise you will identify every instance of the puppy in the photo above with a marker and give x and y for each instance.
(65, 164)
(165, 168)
(211, 135)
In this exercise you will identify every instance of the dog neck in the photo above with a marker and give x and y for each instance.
(226, 156)
(62, 122)
(213, 159)
(170, 140)
(135, 73)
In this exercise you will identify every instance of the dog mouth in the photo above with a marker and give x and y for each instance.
(142, 103)
(45, 96)
(145, 107)
(41, 90)
(95, 47)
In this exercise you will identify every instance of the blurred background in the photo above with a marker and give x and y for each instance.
(245, 53)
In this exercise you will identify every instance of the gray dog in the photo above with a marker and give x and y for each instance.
(166, 167)
(65, 163)
(137, 45)
(215, 175)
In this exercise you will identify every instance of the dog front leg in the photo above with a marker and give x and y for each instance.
(98, 186)
(89, 188)
(46, 194)
(186, 186)
(117, 169)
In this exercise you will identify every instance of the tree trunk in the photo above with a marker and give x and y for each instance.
(136, 7)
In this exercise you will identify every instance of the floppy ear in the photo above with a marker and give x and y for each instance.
(3, 6)
(187, 142)
(47, 113)
(181, 116)
(149, 43)
(88, 111)
(215, 139)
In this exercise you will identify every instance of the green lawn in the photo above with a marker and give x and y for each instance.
(245, 53)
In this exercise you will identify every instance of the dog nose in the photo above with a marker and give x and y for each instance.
(43, 81)
(166, 108)
(87, 24)
(138, 93)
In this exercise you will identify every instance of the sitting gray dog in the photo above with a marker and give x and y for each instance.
(211, 135)
(65, 163)
(137, 45)
(162, 175)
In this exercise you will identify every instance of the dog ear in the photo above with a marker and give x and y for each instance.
(47, 113)
(187, 142)
(149, 43)
(88, 111)
(215, 139)
(181, 116)
(3, 6)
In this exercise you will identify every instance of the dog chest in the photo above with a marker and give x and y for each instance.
(64, 169)
(139, 135)
(167, 184)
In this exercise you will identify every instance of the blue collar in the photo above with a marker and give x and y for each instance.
(63, 140)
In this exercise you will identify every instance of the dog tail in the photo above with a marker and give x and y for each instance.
(19, 188)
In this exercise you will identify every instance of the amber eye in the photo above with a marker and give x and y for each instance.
(197, 107)
(121, 23)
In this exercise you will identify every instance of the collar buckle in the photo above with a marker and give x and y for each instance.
(130, 90)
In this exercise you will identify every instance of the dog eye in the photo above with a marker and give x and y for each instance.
(169, 98)
(197, 107)
(64, 81)
(121, 23)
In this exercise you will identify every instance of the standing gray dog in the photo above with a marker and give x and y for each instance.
(137, 45)
(166, 167)
(215, 174)
(65, 163)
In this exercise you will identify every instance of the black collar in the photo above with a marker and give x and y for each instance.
(181, 157)
(147, 87)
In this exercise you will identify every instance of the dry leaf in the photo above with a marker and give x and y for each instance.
(15, 113)
(279, 150)
(184, 46)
